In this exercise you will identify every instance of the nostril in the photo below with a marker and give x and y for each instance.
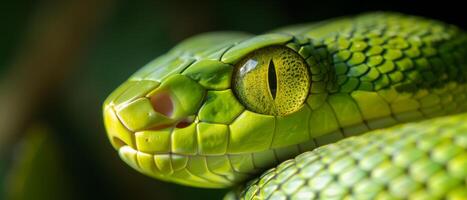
(162, 103)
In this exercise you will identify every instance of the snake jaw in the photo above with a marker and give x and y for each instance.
(165, 153)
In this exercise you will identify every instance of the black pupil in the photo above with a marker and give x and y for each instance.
(272, 79)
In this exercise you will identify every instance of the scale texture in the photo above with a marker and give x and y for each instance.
(426, 160)
(221, 108)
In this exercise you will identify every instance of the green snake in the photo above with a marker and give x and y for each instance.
(360, 107)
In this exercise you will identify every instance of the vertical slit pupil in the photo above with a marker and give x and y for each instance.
(272, 79)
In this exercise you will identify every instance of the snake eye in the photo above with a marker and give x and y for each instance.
(273, 80)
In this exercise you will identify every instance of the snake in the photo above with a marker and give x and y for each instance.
(369, 106)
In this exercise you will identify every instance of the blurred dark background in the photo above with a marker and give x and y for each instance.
(60, 59)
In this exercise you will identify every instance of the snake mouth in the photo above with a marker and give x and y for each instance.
(192, 170)
(118, 143)
(121, 135)
(165, 153)
(174, 153)
(118, 134)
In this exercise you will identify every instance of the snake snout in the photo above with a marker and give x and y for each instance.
(118, 134)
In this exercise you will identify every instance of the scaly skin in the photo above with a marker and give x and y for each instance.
(183, 118)
(425, 160)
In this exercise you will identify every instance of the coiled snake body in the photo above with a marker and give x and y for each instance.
(375, 101)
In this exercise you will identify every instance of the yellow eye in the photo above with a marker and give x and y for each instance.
(273, 80)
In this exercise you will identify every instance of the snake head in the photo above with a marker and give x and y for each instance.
(216, 109)
(221, 107)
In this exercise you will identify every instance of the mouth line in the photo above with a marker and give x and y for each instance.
(179, 168)
(169, 162)
(303, 146)
(118, 142)
(179, 154)
(311, 144)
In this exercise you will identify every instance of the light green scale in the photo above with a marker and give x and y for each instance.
(220, 108)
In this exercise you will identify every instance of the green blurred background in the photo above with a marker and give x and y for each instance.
(60, 59)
